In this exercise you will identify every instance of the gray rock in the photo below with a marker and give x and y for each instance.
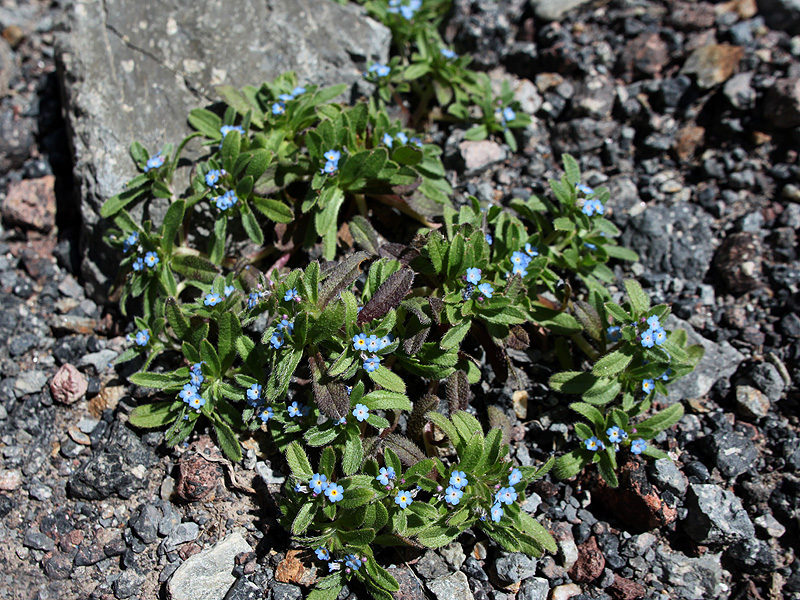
(751, 403)
(268, 475)
(244, 590)
(765, 376)
(554, 10)
(431, 565)
(733, 453)
(672, 239)
(170, 520)
(29, 382)
(453, 555)
(145, 524)
(770, 525)
(207, 575)
(38, 541)
(452, 586)
(752, 556)
(514, 567)
(286, 591)
(720, 361)
(127, 584)
(185, 532)
(594, 97)
(535, 588)
(99, 361)
(9, 68)
(715, 516)
(666, 475)
(126, 78)
(567, 552)
(699, 577)
(479, 156)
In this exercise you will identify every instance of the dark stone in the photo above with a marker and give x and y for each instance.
(733, 453)
(752, 556)
(715, 516)
(58, 566)
(410, 588)
(286, 591)
(244, 589)
(6, 505)
(514, 567)
(697, 472)
(127, 584)
(38, 541)
(474, 570)
(145, 523)
(109, 470)
(609, 544)
(738, 262)
(766, 377)
(430, 566)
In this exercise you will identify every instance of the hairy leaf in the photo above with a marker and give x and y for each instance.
(458, 392)
(388, 296)
(340, 276)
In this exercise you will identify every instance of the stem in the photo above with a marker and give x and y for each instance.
(361, 203)
(585, 346)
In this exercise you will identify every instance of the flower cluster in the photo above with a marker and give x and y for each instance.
(278, 108)
(655, 335)
(458, 482)
(332, 165)
(379, 70)
(371, 344)
(278, 336)
(616, 436)
(150, 260)
(213, 176)
(592, 207)
(406, 11)
(190, 393)
(505, 495)
(520, 261)
(226, 200)
(226, 129)
(154, 162)
(473, 278)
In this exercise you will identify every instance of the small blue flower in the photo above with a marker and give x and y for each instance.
(648, 386)
(318, 483)
(638, 446)
(508, 114)
(352, 562)
(520, 259)
(386, 340)
(386, 474)
(585, 189)
(497, 513)
(342, 421)
(291, 295)
(212, 299)
(332, 155)
(266, 414)
(659, 336)
(226, 129)
(593, 444)
(416, 141)
(298, 91)
(459, 479)
(486, 289)
(653, 322)
(187, 392)
(403, 499)
(154, 162)
(286, 326)
(379, 70)
(142, 337)
(277, 339)
(614, 434)
(614, 334)
(448, 54)
(322, 553)
(213, 176)
(330, 168)
(590, 246)
(298, 487)
(506, 495)
(138, 264)
(285, 97)
(151, 259)
(360, 341)
(130, 241)
(196, 376)
(647, 339)
(402, 138)
(196, 402)
(515, 477)
(488, 239)
(519, 270)
(295, 409)
(227, 200)
(453, 495)
(665, 376)
(387, 139)
(372, 363)
(373, 343)
(278, 108)
(474, 275)
(254, 394)
(531, 251)
(252, 300)
(334, 492)
(229, 289)
(592, 207)
(361, 412)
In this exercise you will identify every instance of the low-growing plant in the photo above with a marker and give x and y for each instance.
(325, 358)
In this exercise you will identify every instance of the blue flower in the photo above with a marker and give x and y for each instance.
(373, 343)
(225, 201)
(638, 446)
(298, 487)
(659, 336)
(266, 414)
(582, 187)
(187, 392)
(361, 412)
(212, 299)
(226, 129)
(252, 300)
(590, 246)
(497, 513)
(531, 251)
(474, 275)
(330, 167)
(614, 333)
(196, 402)
(486, 289)
(379, 70)
(520, 259)
(334, 492)
(647, 339)
(130, 241)
(594, 444)
(352, 562)
(416, 141)
(387, 139)
(254, 394)
(138, 264)
(142, 337)
(285, 97)
(332, 155)
(403, 499)
(459, 479)
(278, 108)
(298, 90)
(291, 295)
(519, 270)
(151, 259)
(653, 322)
(295, 409)
(342, 421)
(213, 176)
(154, 162)
(287, 326)
(453, 495)
(448, 54)
(508, 114)
(515, 477)
(277, 339)
(592, 207)
(402, 138)
(229, 289)
(488, 239)
(386, 340)
(360, 341)
(322, 553)
(647, 386)
(614, 434)
(665, 376)
(196, 378)
(372, 363)
(386, 473)
(318, 483)
(506, 495)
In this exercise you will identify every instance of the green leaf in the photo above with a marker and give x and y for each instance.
(298, 462)
(116, 203)
(206, 123)
(227, 441)
(663, 419)
(155, 415)
(620, 314)
(535, 529)
(158, 381)
(613, 363)
(172, 221)
(455, 335)
(374, 163)
(388, 380)
(304, 518)
(259, 162)
(273, 209)
(406, 155)
(250, 224)
(355, 497)
(340, 277)
(570, 464)
(353, 453)
(563, 224)
(195, 267)
(639, 300)
(446, 426)
(279, 379)
(386, 400)
(591, 413)
(316, 437)
(476, 132)
(210, 357)
(175, 318)
(571, 169)
(621, 253)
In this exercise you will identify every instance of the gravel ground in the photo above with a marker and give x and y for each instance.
(688, 111)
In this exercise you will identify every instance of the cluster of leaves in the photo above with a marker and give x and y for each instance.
(252, 334)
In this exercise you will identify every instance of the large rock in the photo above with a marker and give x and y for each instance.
(716, 516)
(208, 575)
(132, 70)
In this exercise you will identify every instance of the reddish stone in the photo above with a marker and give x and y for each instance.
(692, 15)
(71, 541)
(31, 204)
(68, 385)
(625, 589)
(591, 562)
(635, 500)
(645, 55)
(713, 64)
(197, 477)
(189, 550)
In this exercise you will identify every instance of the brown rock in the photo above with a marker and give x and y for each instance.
(635, 498)
(410, 588)
(31, 204)
(591, 562)
(746, 9)
(782, 103)
(687, 141)
(292, 570)
(68, 385)
(645, 55)
(625, 589)
(692, 15)
(70, 542)
(197, 477)
(713, 64)
(13, 34)
(189, 550)
(738, 261)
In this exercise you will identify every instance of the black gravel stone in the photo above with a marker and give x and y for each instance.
(474, 570)
(752, 556)
(733, 453)
(697, 472)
